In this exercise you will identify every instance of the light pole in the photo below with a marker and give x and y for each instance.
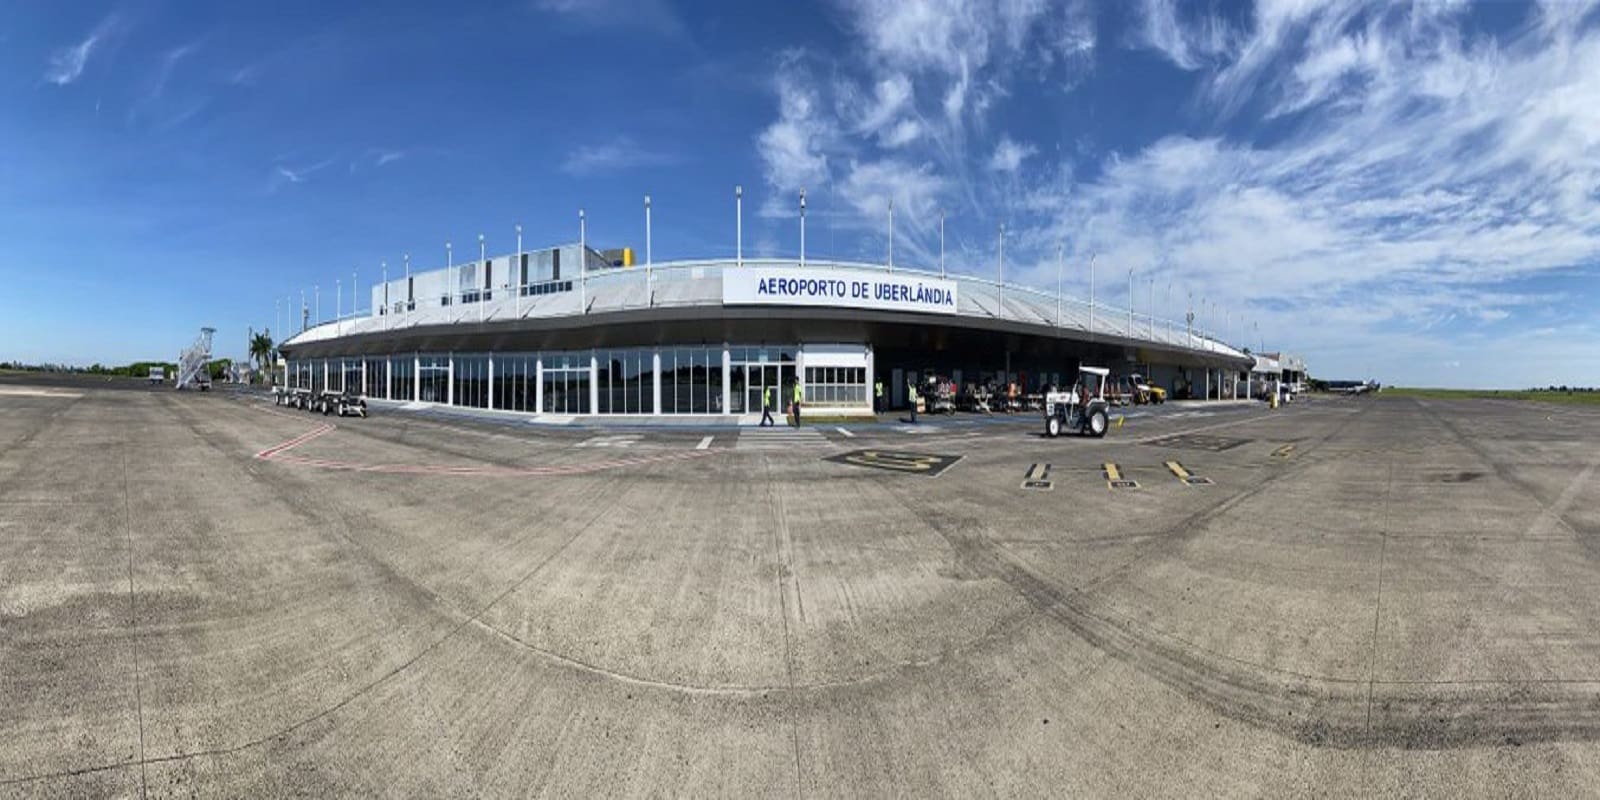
(802, 227)
(1000, 283)
(738, 225)
(383, 268)
(316, 303)
(338, 307)
(1092, 257)
(483, 261)
(516, 270)
(1130, 302)
(583, 263)
(1171, 331)
(276, 313)
(1059, 249)
(450, 271)
(941, 243)
(649, 257)
(302, 310)
(355, 299)
(891, 234)
(410, 297)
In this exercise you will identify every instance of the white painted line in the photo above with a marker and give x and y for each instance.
(704, 443)
(845, 432)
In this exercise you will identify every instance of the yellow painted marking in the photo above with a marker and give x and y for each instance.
(1178, 470)
(914, 463)
(1284, 451)
(1112, 473)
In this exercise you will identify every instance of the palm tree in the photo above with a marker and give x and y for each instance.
(261, 351)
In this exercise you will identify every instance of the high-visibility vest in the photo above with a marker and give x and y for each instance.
(877, 389)
(797, 392)
(772, 396)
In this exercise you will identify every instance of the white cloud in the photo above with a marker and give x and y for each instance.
(1190, 47)
(620, 153)
(67, 63)
(1008, 155)
(903, 133)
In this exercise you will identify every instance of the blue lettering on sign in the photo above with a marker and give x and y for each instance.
(913, 293)
(885, 291)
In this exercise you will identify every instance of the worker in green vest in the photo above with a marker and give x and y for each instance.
(797, 396)
(877, 396)
(911, 389)
(769, 398)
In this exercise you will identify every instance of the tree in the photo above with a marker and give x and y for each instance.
(261, 351)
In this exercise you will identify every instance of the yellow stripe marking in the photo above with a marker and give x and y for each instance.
(1112, 473)
(1283, 451)
(1178, 470)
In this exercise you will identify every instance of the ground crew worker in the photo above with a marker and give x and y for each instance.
(769, 399)
(877, 393)
(797, 396)
(911, 386)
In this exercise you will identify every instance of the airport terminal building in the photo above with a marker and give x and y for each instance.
(571, 331)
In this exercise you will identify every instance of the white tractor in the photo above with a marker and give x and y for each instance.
(1081, 408)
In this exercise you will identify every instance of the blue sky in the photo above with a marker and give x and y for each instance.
(1409, 192)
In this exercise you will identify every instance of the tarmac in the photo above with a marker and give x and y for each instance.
(205, 595)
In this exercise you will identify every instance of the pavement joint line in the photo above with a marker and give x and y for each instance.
(1377, 605)
(291, 728)
(704, 443)
(846, 432)
(133, 620)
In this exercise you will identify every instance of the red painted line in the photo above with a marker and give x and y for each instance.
(267, 454)
(280, 453)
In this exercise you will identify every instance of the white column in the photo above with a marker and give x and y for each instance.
(872, 377)
(388, 378)
(727, 375)
(594, 384)
(738, 225)
(655, 380)
(416, 378)
(363, 375)
(450, 380)
(491, 381)
(538, 385)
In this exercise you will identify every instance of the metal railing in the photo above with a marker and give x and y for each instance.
(698, 282)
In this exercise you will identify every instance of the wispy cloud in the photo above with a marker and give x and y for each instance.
(67, 63)
(1424, 178)
(620, 153)
(1008, 155)
(284, 173)
(657, 16)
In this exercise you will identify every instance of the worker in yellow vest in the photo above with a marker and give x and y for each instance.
(877, 395)
(797, 395)
(769, 398)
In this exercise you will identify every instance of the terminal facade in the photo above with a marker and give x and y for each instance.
(571, 331)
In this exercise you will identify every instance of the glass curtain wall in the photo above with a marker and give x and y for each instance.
(515, 381)
(377, 379)
(626, 381)
(318, 376)
(472, 381)
(403, 378)
(756, 370)
(691, 380)
(566, 383)
(433, 374)
(352, 375)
